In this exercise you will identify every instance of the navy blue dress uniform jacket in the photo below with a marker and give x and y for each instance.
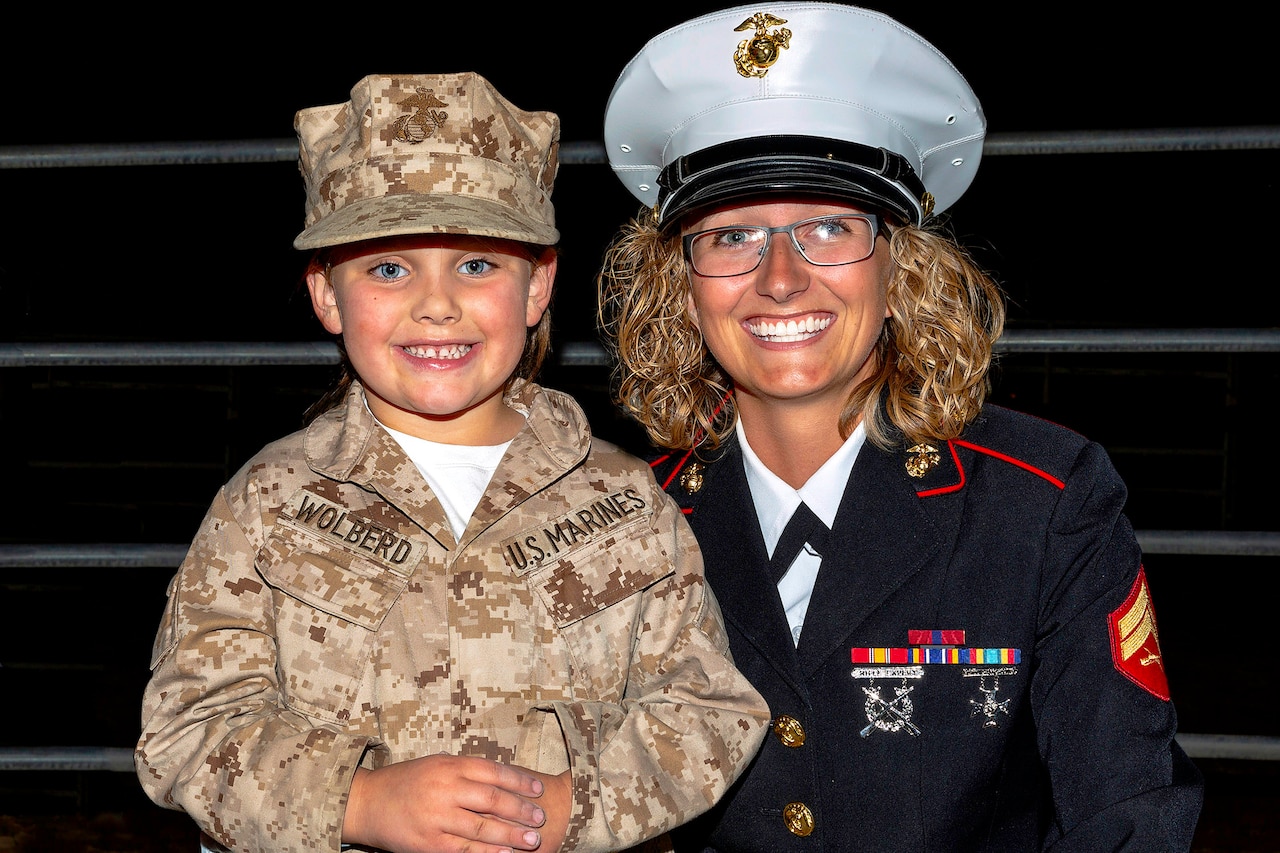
(1015, 536)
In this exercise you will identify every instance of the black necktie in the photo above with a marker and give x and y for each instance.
(803, 527)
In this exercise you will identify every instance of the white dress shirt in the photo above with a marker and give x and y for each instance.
(775, 501)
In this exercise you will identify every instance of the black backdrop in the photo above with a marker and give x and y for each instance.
(202, 253)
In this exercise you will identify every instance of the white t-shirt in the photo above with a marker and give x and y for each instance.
(457, 473)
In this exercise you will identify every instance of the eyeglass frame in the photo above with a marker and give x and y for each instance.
(876, 221)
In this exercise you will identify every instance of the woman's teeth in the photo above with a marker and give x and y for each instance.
(790, 330)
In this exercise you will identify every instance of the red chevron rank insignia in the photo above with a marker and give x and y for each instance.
(1135, 643)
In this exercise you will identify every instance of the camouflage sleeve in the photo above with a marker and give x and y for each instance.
(216, 740)
(687, 727)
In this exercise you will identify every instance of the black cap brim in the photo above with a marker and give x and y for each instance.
(799, 165)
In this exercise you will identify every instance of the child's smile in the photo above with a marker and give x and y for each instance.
(448, 353)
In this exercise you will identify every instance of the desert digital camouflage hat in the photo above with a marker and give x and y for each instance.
(793, 97)
(427, 153)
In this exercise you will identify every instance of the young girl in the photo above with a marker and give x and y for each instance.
(443, 616)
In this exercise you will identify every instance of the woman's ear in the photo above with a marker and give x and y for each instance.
(542, 279)
(691, 308)
(324, 301)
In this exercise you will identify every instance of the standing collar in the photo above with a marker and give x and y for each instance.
(775, 500)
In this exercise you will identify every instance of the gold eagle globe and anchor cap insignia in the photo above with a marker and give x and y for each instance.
(754, 55)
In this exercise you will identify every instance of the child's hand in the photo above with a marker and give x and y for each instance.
(557, 804)
(447, 804)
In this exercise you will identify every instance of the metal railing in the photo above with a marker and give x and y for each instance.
(1140, 141)
(589, 354)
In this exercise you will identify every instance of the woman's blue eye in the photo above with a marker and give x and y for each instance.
(733, 238)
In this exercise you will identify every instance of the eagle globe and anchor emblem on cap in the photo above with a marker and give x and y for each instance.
(426, 118)
(757, 54)
(754, 55)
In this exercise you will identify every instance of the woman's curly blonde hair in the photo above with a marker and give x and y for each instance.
(933, 355)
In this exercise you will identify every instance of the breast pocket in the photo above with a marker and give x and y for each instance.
(329, 604)
(593, 595)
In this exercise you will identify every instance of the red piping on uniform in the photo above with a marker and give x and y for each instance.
(993, 453)
(928, 493)
(1023, 465)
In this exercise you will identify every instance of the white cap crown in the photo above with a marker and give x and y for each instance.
(796, 97)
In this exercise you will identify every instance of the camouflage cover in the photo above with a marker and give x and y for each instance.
(427, 154)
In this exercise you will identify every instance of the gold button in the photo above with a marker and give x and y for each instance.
(788, 730)
(798, 818)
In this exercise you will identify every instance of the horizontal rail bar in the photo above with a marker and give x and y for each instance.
(1134, 141)
(102, 555)
(1141, 140)
(197, 353)
(1215, 542)
(587, 354)
(1248, 747)
(116, 759)
(144, 556)
(1139, 340)
(120, 759)
(201, 153)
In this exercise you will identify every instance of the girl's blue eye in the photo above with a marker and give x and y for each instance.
(475, 266)
(389, 270)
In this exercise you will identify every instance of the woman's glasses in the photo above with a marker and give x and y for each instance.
(824, 241)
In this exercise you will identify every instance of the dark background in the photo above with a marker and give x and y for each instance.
(195, 253)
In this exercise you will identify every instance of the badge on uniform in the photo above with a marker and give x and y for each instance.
(1135, 642)
(922, 459)
(930, 647)
(691, 479)
(889, 715)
